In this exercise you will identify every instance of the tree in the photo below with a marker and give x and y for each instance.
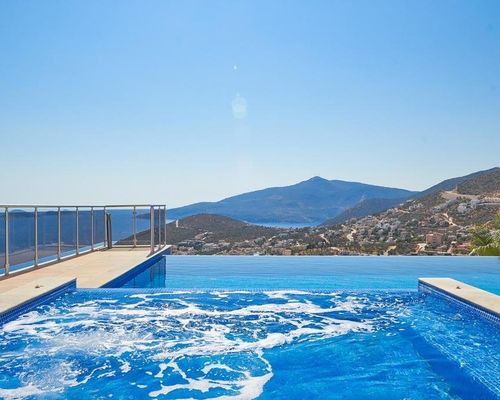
(486, 241)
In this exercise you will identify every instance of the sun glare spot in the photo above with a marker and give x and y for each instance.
(239, 107)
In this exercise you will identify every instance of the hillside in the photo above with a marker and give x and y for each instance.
(311, 201)
(364, 208)
(450, 209)
(217, 227)
(451, 184)
(485, 183)
(477, 182)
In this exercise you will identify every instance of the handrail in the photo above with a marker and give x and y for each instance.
(78, 205)
(98, 240)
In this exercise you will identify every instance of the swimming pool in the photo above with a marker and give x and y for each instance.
(256, 340)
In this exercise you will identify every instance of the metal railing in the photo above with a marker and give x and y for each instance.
(37, 235)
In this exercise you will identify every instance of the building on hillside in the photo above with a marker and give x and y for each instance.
(434, 239)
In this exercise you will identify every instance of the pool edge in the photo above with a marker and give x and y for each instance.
(33, 302)
(447, 288)
(118, 281)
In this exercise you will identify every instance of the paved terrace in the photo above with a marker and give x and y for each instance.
(91, 270)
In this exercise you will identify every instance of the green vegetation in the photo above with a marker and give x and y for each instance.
(486, 241)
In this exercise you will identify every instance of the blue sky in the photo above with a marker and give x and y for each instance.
(180, 101)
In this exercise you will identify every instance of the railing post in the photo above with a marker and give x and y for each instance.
(165, 224)
(159, 227)
(7, 261)
(77, 231)
(91, 228)
(152, 228)
(104, 227)
(134, 225)
(109, 230)
(36, 236)
(58, 233)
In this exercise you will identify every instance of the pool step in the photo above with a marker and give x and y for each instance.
(479, 301)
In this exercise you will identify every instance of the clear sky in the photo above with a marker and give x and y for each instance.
(181, 101)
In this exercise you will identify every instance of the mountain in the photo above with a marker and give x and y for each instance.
(311, 201)
(474, 183)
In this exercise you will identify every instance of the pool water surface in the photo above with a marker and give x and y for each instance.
(320, 272)
(260, 327)
(133, 344)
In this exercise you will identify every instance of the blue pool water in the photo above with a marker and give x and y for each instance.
(276, 328)
(138, 344)
(234, 272)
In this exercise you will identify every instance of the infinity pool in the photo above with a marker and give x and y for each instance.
(234, 272)
(257, 341)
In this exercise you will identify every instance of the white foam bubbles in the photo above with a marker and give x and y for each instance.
(204, 342)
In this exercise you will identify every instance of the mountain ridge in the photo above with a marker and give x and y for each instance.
(318, 201)
(310, 201)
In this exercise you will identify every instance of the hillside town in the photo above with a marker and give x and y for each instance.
(439, 224)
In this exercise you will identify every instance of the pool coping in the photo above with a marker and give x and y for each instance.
(176, 291)
(49, 290)
(33, 293)
(119, 280)
(471, 298)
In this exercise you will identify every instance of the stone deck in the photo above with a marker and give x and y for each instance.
(467, 293)
(91, 270)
